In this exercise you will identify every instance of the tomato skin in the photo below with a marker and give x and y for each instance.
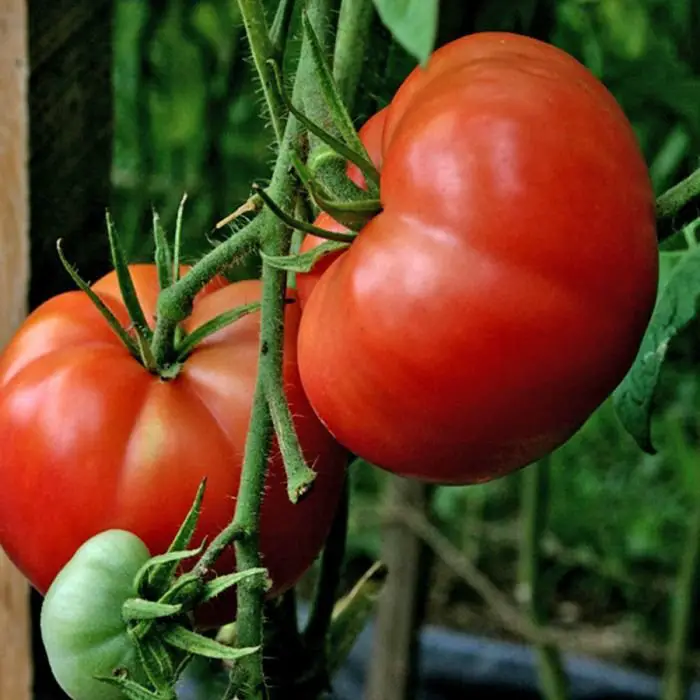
(81, 617)
(91, 441)
(502, 293)
(371, 135)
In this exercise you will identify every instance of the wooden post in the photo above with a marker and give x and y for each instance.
(15, 648)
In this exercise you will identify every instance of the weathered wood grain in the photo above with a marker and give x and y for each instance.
(15, 649)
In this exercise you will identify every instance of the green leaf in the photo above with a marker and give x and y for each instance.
(106, 312)
(360, 159)
(196, 644)
(351, 614)
(675, 309)
(159, 576)
(163, 255)
(169, 559)
(126, 283)
(133, 690)
(157, 664)
(413, 23)
(303, 262)
(214, 325)
(341, 118)
(140, 609)
(217, 586)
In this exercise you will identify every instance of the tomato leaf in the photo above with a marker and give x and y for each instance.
(140, 609)
(341, 118)
(360, 159)
(157, 664)
(146, 579)
(214, 325)
(676, 307)
(303, 262)
(163, 254)
(194, 643)
(413, 23)
(351, 614)
(220, 584)
(133, 690)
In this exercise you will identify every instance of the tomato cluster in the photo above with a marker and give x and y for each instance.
(91, 441)
(473, 326)
(503, 291)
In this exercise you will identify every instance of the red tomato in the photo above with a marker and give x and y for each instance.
(502, 293)
(371, 136)
(91, 441)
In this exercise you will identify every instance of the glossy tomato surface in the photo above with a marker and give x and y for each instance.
(91, 441)
(371, 135)
(503, 292)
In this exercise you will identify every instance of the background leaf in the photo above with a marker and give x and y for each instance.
(675, 309)
(413, 23)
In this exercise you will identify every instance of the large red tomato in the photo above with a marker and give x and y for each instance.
(90, 440)
(371, 136)
(502, 293)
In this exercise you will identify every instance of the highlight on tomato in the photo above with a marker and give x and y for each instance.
(502, 293)
(90, 440)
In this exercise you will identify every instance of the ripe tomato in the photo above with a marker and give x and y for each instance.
(502, 293)
(81, 617)
(91, 441)
(371, 136)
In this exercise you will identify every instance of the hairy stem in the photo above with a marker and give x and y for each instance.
(262, 49)
(351, 46)
(175, 302)
(275, 240)
(679, 205)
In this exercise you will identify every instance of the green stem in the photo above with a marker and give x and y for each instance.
(289, 220)
(676, 677)
(280, 28)
(262, 49)
(535, 506)
(175, 302)
(300, 477)
(679, 205)
(275, 240)
(316, 631)
(353, 36)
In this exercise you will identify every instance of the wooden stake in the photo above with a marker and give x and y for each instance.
(15, 648)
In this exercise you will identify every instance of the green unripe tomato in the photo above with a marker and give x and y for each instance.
(81, 618)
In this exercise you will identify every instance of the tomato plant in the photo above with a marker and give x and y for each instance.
(90, 440)
(502, 293)
(81, 617)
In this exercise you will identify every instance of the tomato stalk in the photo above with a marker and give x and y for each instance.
(280, 28)
(175, 302)
(678, 206)
(351, 41)
(262, 48)
(275, 241)
(316, 632)
(304, 226)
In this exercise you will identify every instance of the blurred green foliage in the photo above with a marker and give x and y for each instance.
(188, 118)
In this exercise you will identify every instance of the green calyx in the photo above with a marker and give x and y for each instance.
(158, 618)
(163, 347)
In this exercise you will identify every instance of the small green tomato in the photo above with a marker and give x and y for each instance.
(81, 618)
